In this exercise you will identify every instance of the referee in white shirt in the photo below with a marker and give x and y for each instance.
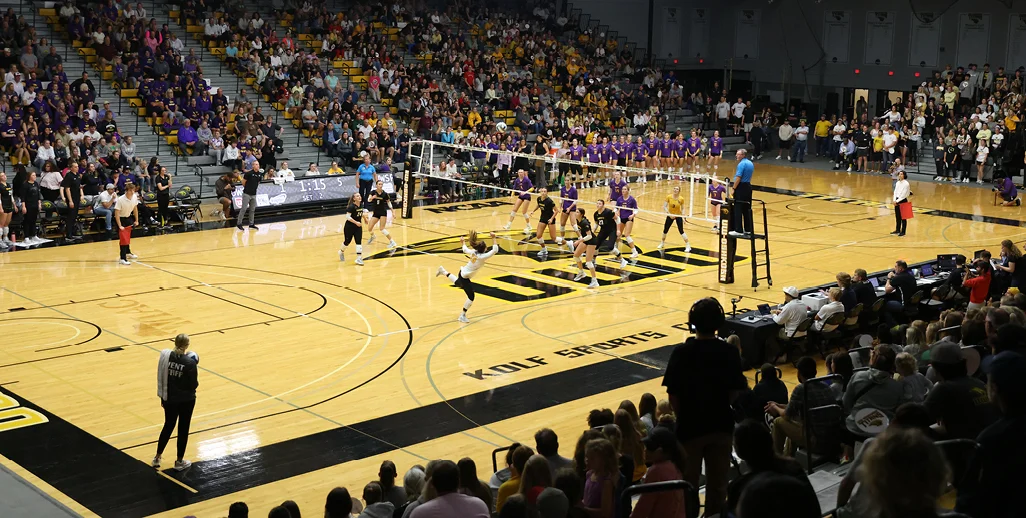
(902, 190)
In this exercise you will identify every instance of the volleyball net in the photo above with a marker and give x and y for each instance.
(457, 172)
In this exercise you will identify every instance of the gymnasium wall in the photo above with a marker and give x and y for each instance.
(781, 38)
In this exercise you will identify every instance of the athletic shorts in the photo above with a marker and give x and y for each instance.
(526, 196)
(639, 160)
(380, 213)
(621, 162)
(602, 237)
(670, 222)
(8, 208)
(862, 152)
(546, 217)
(785, 144)
(718, 153)
(876, 156)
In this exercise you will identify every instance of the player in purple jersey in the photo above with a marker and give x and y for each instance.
(568, 212)
(667, 149)
(717, 196)
(577, 155)
(622, 150)
(616, 185)
(652, 146)
(639, 153)
(626, 206)
(715, 150)
(607, 159)
(594, 158)
(522, 188)
(680, 147)
(694, 147)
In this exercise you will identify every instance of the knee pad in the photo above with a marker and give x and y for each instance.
(512, 213)
(562, 228)
(359, 249)
(589, 265)
(630, 240)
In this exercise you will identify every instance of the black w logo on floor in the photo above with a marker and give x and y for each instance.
(554, 276)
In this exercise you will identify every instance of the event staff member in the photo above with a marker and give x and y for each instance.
(71, 191)
(164, 185)
(902, 190)
(126, 210)
(251, 181)
(176, 388)
(743, 226)
(367, 176)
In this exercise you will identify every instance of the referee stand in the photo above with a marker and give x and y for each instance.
(760, 253)
(728, 243)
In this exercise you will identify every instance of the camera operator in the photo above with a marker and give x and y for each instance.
(977, 279)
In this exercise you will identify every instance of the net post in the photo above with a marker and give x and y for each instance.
(691, 196)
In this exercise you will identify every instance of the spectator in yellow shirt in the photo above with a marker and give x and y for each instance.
(512, 486)
(335, 169)
(474, 118)
(823, 136)
(983, 136)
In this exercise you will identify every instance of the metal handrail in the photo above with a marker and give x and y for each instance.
(691, 502)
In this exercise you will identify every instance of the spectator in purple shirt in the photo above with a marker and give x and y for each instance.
(187, 136)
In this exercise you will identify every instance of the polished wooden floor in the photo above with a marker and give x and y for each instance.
(313, 371)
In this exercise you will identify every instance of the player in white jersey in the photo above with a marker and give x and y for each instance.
(478, 254)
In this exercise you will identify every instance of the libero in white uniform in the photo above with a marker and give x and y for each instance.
(478, 253)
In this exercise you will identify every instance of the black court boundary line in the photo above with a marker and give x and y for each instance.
(302, 455)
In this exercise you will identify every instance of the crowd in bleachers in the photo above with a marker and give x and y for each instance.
(965, 120)
(909, 414)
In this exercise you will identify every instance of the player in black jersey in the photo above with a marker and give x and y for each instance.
(547, 220)
(6, 212)
(380, 205)
(605, 228)
(353, 230)
(585, 246)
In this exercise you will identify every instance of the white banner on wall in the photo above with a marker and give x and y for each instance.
(973, 39)
(836, 35)
(924, 47)
(698, 39)
(1016, 42)
(879, 37)
(746, 34)
(671, 32)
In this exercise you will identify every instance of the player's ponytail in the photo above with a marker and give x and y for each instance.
(472, 238)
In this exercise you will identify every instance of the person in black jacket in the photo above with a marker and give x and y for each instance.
(176, 387)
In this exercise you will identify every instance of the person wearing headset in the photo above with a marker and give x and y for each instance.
(703, 378)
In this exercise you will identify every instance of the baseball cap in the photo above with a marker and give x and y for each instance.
(659, 437)
(1007, 371)
(792, 291)
(552, 503)
(110, 186)
(946, 353)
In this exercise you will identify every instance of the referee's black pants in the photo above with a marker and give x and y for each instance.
(176, 412)
(743, 208)
(365, 186)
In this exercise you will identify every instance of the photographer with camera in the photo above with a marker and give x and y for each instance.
(977, 280)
